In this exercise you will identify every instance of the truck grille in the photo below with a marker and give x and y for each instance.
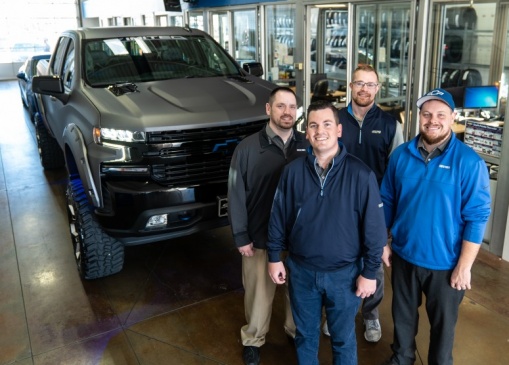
(197, 156)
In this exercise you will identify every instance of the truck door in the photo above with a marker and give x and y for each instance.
(62, 64)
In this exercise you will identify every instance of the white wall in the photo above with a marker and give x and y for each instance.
(121, 8)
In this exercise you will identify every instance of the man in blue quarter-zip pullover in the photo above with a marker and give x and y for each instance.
(437, 202)
(370, 134)
(328, 212)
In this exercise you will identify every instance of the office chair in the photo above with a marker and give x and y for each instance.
(321, 91)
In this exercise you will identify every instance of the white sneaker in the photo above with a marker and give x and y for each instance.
(373, 331)
(325, 329)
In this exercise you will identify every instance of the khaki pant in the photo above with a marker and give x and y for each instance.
(259, 295)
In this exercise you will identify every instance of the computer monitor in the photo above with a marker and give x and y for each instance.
(457, 93)
(481, 97)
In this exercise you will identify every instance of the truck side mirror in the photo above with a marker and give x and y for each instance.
(253, 68)
(49, 85)
(21, 75)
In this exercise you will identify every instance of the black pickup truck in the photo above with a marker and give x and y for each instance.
(145, 120)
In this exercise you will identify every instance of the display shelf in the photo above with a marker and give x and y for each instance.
(485, 138)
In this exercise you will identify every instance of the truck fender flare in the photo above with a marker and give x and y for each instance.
(73, 139)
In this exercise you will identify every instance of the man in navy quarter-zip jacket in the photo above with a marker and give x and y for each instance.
(370, 134)
(328, 212)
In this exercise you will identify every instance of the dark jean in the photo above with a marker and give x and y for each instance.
(310, 291)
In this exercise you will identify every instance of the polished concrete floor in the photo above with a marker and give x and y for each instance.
(175, 302)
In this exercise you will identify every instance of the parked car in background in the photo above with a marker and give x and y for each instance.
(25, 74)
(22, 50)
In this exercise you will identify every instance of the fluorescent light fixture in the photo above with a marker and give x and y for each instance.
(327, 6)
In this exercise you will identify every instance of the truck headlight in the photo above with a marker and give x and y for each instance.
(117, 135)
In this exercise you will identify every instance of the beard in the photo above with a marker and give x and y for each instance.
(436, 139)
(364, 101)
(284, 124)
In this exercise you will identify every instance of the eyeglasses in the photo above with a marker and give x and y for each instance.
(361, 84)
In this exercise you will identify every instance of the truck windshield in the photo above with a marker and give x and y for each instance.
(139, 59)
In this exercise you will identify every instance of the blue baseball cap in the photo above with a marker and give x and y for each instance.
(437, 94)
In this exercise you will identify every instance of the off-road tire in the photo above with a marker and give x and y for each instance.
(97, 254)
(50, 153)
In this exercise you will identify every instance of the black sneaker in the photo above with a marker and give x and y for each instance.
(251, 355)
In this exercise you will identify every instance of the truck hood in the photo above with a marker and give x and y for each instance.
(183, 103)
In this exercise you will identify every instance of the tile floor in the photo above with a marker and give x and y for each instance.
(175, 302)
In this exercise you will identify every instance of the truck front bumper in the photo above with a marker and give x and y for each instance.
(130, 207)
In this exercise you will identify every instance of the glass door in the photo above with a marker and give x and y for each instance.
(466, 44)
(245, 36)
(382, 40)
(196, 20)
(242, 44)
(280, 31)
(326, 74)
(220, 29)
(467, 55)
(340, 36)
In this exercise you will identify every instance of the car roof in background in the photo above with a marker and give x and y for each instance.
(40, 56)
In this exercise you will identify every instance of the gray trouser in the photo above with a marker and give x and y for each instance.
(370, 304)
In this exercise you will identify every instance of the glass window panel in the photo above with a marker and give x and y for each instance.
(244, 24)
(382, 41)
(463, 51)
(328, 51)
(221, 29)
(280, 43)
(196, 20)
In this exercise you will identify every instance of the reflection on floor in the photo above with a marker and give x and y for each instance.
(176, 302)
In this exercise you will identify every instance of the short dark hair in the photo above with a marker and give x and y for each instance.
(278, 89)
(321, 105)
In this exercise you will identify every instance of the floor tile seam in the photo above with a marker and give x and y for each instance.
(138, 297)
(22, 187)
(3, 170)
(488, 308)
(127, 326)
(195, 353)
(20, 279)
(491, 260)
(204, 300)
(79, 341)
(153, 273)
